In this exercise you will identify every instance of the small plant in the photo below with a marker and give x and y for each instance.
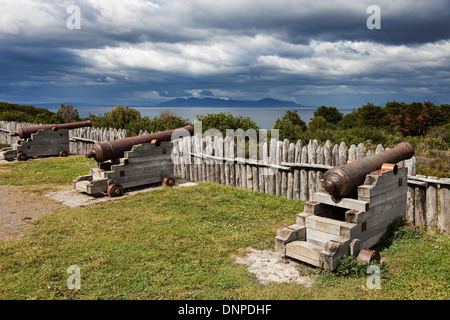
(350, 267)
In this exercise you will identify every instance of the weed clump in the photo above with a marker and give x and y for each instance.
(350, 267)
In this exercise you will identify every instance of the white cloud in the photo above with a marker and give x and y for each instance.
(219, 55)
(232, 48)
(346, 58)
(117, 16)
(27, 16)
(149, 95)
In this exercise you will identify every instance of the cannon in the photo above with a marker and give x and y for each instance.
(115, 149)
(26, 132)
(342, 180)
(350, 212)
(131, 162)
(41, 141)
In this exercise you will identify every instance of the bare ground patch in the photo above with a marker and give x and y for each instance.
(21, 205)
(270, 266)
(19, 208)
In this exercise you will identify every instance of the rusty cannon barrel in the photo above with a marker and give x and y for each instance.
(26, 132)
(108, 150)
(340, 181)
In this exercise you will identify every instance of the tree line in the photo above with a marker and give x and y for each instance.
(368, 122)
(406, 119)
(32, 114)
(425, 125)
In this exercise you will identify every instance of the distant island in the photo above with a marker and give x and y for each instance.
(230, 103)
(196, 102)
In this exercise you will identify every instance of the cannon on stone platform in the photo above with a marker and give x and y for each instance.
(350, 212)
(41, 141)
(131, 162)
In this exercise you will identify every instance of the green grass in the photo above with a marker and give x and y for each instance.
(180, 243)
(170, 243)
(44, 174)
(416, 266)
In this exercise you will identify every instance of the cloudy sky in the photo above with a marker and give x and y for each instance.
(140, 52)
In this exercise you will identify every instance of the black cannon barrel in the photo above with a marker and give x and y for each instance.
(108, 150)
(26, 132)
(340, 181)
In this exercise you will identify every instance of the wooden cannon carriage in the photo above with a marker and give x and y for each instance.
(130, 162)
(350, 212)
(41, 141)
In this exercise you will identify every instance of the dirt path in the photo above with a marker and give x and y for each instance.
(18, 209)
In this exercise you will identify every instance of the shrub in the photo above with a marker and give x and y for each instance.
(330, 114)
(372, 115)
(68, 113)
(349, 120)
(291, 126)
(25, 113)
(121, 117)
(317, 123)
(18, 116)
(350, 267)
(223, 121)
(167, 120)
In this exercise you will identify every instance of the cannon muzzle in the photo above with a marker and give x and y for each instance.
(108, 150)
(26, 132)
(340, 181)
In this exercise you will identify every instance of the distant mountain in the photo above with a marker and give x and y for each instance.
(191, 102)
(220, 103)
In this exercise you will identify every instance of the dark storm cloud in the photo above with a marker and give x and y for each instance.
(302, 21)
(142, 51)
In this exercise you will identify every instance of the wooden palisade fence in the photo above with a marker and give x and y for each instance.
(80, 139)
(296, 170)
(280, 168)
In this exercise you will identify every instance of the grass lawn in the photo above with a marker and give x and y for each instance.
(180, 243)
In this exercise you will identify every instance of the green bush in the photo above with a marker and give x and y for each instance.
(317, 123)
(350, 120)
(120, 117)
(167, 120)
(223, 121)
(287, 130)
(25, 113)
(15, 115)
(442, 132)
(372, 115)
(130, 119)
(330, 114)
(350, 267)
(355, 135)
(362, 134)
